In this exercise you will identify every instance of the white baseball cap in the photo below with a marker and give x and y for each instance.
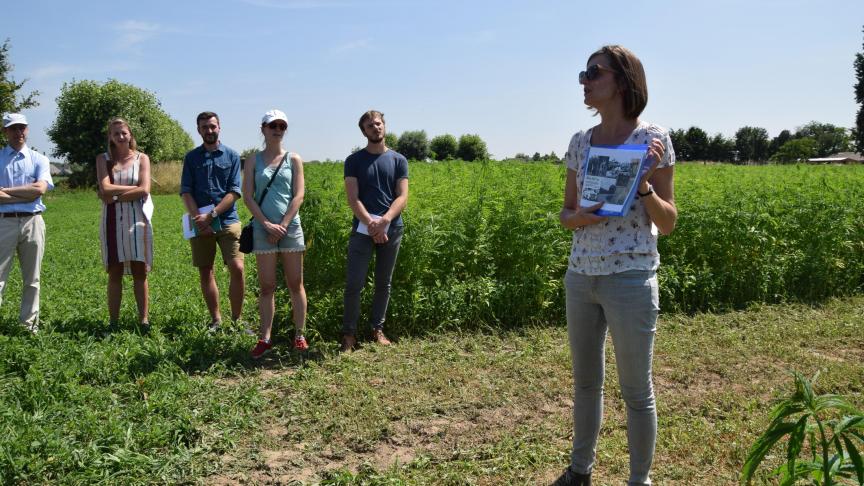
(274, 115)
(10, 119)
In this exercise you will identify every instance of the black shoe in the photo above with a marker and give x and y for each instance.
(144, 328)
(570, 478)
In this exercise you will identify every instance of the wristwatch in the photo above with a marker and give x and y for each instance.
(115, 197)
(647, 193)
(213, 213)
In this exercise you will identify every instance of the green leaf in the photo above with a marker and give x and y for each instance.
(796, 443)
(825, 402)
(849, 423)
(855, 457)
(762, 446)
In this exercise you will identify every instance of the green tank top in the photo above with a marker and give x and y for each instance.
(281, 192)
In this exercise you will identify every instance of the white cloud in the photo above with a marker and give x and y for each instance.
(350, 46)
(135, 32)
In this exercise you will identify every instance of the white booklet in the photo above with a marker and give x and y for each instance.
(364, 230)
(611, 174)
(190, 230)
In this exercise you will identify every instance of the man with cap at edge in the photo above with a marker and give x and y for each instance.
(25, 175)
(211, 177)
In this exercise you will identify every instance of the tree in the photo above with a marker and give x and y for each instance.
(414, 145)
(10, 100)
(83, 110)
(795, 150)
(391, 140)
(697, 140)
(778, 142)
(536, 157)
(829, 138)
(680, 144)
(859, 98)
(472, 147)
(720, 148)
(444, 147)
(752, 143)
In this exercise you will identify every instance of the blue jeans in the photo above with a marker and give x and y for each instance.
(626, 304)
(360, 249)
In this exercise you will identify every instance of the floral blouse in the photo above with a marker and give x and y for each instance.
(619, 243)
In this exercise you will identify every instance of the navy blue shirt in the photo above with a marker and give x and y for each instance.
(377, 176)
(209, 176)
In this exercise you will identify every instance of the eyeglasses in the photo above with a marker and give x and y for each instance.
(593, 72)
(277, 126)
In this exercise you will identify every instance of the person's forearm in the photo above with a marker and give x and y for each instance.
(663, 213)
(360, 212)
(29, 192)
(116, 189)
(7, 199)
(226, 202)
(293, 209)
(397, 207)
(137, 192)
(191, 205)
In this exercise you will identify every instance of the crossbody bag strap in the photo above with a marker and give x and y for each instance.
(272, 178)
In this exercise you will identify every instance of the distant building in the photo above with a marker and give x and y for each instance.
(60, 169)
(839, 158)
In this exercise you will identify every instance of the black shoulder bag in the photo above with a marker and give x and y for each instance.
(247, 241)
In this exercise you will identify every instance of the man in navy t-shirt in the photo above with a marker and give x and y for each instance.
(376, 183)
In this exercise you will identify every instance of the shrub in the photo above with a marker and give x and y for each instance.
(414, 145)
(444, 147)
(472, 147)
(83, 110)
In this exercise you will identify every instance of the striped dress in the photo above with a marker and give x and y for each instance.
(125, 232)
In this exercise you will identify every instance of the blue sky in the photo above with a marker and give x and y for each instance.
(506, 70)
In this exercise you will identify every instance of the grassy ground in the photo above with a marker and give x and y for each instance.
(495, 409)
(459, 400)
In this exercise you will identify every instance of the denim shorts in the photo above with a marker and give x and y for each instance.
(293, 240)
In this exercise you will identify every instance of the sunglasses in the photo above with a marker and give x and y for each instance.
(277, 126)
(593, 72)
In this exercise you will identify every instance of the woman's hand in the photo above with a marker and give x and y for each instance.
(275, 230)
(582, 216)
(656, 150)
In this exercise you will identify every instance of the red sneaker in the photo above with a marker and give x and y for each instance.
(260, 349)
(300, 343)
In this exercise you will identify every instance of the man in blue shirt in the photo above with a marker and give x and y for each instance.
(376, 183)
(211, 177)
(25, 175)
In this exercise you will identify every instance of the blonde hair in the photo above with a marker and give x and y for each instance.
(133, 144)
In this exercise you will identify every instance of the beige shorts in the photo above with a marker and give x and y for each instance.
(204, 247)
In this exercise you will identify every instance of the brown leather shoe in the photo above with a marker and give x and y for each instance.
(379, 337)
(348, 343)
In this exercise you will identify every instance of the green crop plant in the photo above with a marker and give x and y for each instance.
(813, 425)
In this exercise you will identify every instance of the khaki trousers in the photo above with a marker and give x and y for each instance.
(26, 237)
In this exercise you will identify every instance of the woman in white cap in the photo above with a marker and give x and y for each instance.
(273, 190)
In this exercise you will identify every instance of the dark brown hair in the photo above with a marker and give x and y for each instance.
(630, 77)
(205, 115)
(370, 115)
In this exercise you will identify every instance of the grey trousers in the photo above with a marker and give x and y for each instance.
(626, 304)
(360, 249)
(24, 236)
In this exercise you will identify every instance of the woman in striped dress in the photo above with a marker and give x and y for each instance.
(123, 176)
